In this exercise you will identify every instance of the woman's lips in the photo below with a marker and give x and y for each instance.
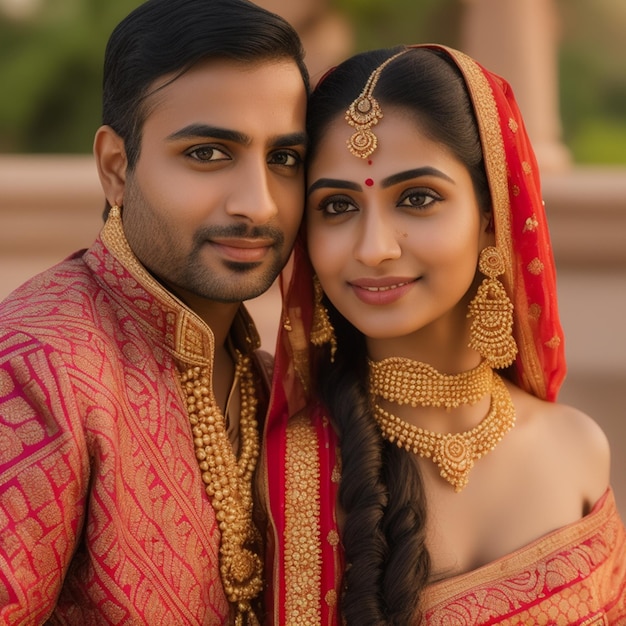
(381, 291)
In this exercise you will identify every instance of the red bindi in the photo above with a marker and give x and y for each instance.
(369, 161)
(369, 182)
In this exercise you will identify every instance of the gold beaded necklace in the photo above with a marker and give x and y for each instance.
(405, 381)
(228, 481)
(454, 453)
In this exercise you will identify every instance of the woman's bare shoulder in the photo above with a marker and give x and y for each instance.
(574, 439)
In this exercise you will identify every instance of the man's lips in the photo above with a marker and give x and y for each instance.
(243, 250)
(381, 290)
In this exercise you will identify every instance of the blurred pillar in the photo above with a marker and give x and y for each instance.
(327, 36)
(518, 39)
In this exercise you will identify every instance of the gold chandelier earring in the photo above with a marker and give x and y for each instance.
(491, 332)
(322, 331)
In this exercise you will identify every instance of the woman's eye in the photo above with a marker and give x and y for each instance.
(418, 199)
(337, 206)
(207, 153)
(286, 158)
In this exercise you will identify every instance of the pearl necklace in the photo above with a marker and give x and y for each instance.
(454, 453)
(228, 481)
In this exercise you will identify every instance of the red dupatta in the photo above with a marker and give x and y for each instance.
(299, 459)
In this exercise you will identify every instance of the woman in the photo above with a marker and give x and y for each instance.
(428, 475)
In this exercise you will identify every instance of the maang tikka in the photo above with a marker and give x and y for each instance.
(364, 113)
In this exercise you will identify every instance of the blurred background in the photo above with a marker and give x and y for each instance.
(566, 61)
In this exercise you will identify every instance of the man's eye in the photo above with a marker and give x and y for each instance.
(286, 158)
(207, 153)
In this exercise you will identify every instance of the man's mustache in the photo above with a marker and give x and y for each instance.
(239, 231)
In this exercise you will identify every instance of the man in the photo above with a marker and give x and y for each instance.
(130, 388)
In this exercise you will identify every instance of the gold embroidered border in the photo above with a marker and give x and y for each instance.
(494, 155)
(303, 553)
(191, 332)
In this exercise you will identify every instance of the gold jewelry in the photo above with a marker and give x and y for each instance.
(364, 113)
(454, 453)
(228, 481)
(405, 381)
(491, 332)
(322, 330)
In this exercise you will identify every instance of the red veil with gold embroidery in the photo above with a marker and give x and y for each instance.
(300, 456)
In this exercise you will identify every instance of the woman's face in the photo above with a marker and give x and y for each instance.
(394, 238)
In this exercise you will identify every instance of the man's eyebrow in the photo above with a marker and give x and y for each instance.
(416, 173)
(204, 131)
(290, 139)
(333, 182)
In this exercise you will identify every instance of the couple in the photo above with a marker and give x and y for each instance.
(153, 469)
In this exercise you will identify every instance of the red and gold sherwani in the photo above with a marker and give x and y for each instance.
(103, 514)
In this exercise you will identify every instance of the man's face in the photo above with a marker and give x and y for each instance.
(215, 200)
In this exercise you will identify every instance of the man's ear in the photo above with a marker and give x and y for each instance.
(110, 155)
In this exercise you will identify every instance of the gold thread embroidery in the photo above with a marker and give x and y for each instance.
(515, 190)
(494, 154)
(531, 224)
(553, 343)
(496, 166)
(535, 267)
(513, 125)
(534, 311)
(303, 557)
(197, 351)
(526, 167)
(331, 598)
(333, 538)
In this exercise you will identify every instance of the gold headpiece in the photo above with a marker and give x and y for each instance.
(364, 113)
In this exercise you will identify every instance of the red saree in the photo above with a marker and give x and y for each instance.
(576, 575)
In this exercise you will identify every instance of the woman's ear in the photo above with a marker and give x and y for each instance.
(110, 155)
(487, 229)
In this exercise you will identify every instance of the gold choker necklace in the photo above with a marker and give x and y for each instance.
(454, 453)
(228, 481)
(405, 381)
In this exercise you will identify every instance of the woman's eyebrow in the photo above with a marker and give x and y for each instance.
(335, 183)
(415, 173)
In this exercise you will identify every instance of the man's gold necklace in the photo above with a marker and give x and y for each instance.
(228, 481)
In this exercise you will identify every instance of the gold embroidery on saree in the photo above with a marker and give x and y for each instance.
(303, 558)
(495, 159)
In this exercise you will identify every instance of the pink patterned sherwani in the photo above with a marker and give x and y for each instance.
(103, 515)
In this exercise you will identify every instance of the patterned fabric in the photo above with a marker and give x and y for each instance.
(103, 514)
(521, 228)
(574, 574)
